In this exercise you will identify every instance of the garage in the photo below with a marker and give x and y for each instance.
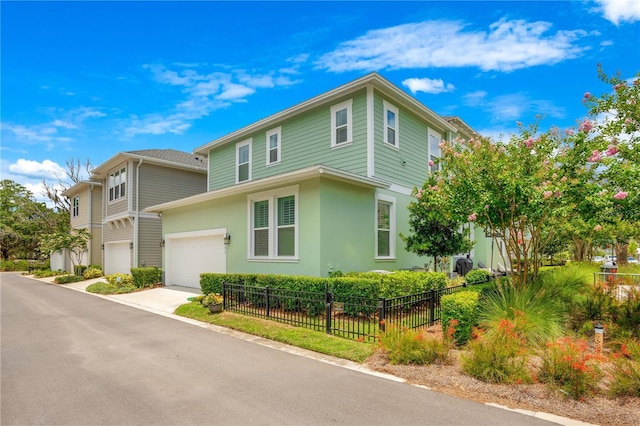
(117, 257)
(188, 254)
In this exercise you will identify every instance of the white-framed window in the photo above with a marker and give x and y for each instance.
(118, 184)
(243, 161)
(274, 137)
(342, 124)
(391, 125)
(434, 149)
(76, 206)
(273, 224)
(385, 227)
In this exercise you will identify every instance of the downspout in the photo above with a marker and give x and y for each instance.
(137, 221)
(90, 245)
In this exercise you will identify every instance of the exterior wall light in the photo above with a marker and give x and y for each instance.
(227, 239)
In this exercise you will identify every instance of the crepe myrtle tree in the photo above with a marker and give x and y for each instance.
(74, 241)
(434, 233)
(512, 190)
(615, 155)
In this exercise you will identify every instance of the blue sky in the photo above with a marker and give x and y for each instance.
(90, 79)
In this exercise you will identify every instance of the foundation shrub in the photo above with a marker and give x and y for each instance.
(477, 276)
(90, 273)
(66, 279)
(120, 280)
(146, 277)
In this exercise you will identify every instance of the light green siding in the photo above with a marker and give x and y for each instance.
(305, 141)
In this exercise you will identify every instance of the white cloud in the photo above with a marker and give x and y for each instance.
(204, 93)
(617, 11)
(46, 170)
(514, 106)
(427, 85)
(506, 46)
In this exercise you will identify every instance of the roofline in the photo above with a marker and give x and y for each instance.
(127, 155)
(465, 126)
(373, 79)
(76, 186)
(266, 183)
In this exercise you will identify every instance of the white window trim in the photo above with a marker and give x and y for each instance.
(276, 131)
(430, 133)
(76, 206)
(239, 145)
(272, 196)
(392, 226)
(121, 197)
(348, 104)
(388, 107)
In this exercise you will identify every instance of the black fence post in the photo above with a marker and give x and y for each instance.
(266, 294)
(328, 308)
(224, 296)
(382, 313)
(432, 307)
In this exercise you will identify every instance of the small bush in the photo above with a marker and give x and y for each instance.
(498, 358)
(628, 313)
(90, 273)
(477, 276)
(567, 365)
(407, 346)
(95, 266)
(14, 265)
(79, 270)
(106, 288)
(120, 280)
(66, 279)
(44, 273)
(146, 277)
(626, 370)
(462, 307)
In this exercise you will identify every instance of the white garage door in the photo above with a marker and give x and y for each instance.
(187, 257)
(117, 258)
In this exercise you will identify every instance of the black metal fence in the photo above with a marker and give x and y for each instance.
(351, 317)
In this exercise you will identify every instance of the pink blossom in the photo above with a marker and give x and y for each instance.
(557, 194)
(568, 132)
(586, 126)
(419, 194)
(435, 188)
(431, 163)
(595, 156)
(587, 95)
(486, 206)
(563, 179)
(547, 194)
(627, 121)
(611, 150)
(621, 195)
(529, 143)
(472, 217)
(618, 86)
(597, 228)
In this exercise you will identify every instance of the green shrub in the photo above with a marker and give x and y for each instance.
(403, 283)
(14, 265)
(212, 282)
(498, 358)
(95, 266)
(626, 370)
(44, 273)
(90, 273)
(347, 289)
(463, 308)
(408, 346)
(628, 313)
(120, 280)
(568, 366)
(477, 276)
(594, 305)
(143, 277)
(65, 279)
(79, 270)
(106, 288)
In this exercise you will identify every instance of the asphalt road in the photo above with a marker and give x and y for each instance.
(74, 359)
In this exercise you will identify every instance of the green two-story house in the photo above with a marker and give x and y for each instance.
(319, 187)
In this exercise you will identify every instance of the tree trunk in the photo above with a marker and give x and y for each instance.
(622, 252)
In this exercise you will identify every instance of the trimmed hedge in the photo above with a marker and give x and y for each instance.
(462, 307)
(90, 273)
(14, 265)
(120, 280)
(143, 277)
(402, 283)
(65, 279)
(477, 276)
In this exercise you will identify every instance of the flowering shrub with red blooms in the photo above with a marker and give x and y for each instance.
(499, 356)
(626, 370)
(568, 366)
(407, 346)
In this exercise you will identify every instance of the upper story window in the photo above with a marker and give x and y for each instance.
(273, 145)
(391, 125)
(342, 123)
(243, 161)
(434, 149)
(385, 227)
(76, 206)
(118, 184)
(273, 224)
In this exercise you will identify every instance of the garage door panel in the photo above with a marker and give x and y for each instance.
(117, 258)
(187, 257)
